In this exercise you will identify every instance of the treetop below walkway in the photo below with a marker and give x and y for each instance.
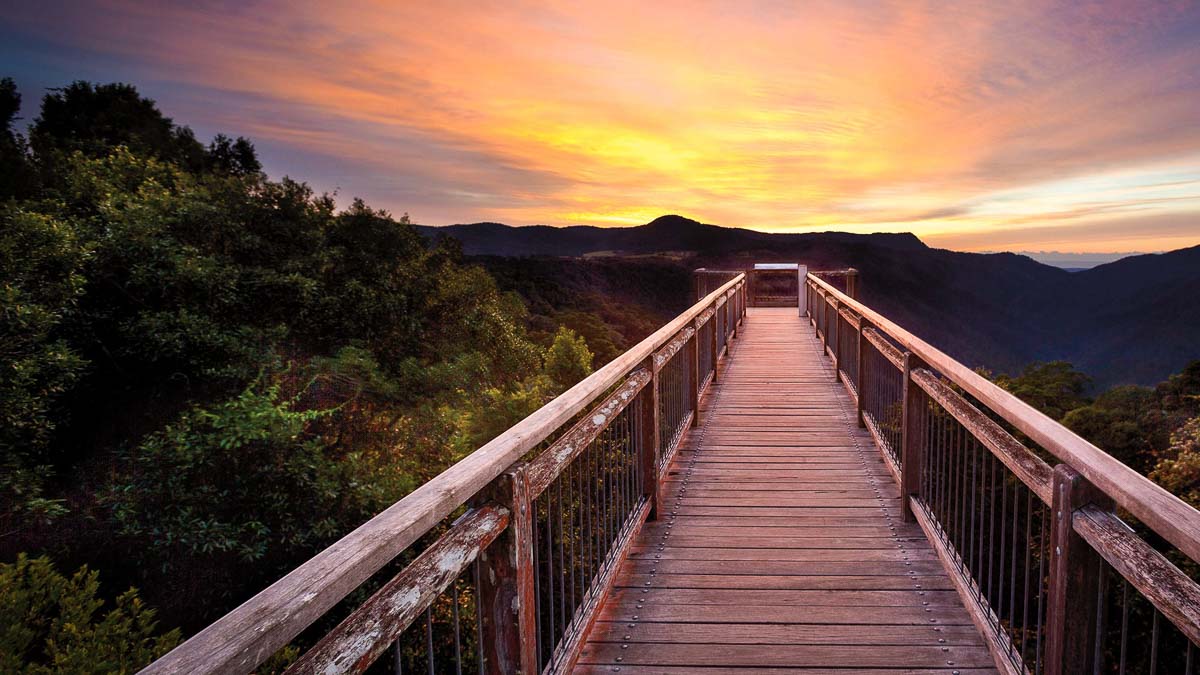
(807, 487)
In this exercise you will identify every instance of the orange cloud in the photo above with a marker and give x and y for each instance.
(866, 116)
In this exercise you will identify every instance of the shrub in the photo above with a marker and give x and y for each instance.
(50, 623)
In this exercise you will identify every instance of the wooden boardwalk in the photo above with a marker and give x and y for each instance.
(780, 545)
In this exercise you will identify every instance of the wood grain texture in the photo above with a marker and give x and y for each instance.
(780, 541)
(1171, 591)
(358, 640)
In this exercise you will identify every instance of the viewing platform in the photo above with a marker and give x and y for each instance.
(778, 480)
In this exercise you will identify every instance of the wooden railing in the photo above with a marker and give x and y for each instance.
(548, 510)
(1052, 573)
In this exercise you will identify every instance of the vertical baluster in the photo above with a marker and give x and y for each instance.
(693, 363)
(1125, 624)
(1101, 616)
(1154, 643)
(429, 640)
(1028, 559)
(457, 628)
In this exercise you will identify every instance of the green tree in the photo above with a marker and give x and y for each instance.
(1126, 422)
(248, 476)
(95, 118)
(604, 340)
(50, 623)
(230, 156)
(567, 361)
(41, 264)
(1179, 470)
(1053, 388)
(16, 175)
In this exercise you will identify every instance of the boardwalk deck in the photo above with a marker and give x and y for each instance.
(780, 544)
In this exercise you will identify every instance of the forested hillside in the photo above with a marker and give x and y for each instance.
(1133, 321)
(209, 376)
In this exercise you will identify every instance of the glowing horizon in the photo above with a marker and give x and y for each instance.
(1032, 126)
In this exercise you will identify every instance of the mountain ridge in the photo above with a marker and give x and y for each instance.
(1132, 320)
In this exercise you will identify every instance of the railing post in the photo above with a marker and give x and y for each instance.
(826, 309)
(852, 283)
(742, 300)
(507, 611)
(837, 342)
(914, 436)
(859, 388)
(713, 343)
(1075, 570)
(693, 357)
(648, 448)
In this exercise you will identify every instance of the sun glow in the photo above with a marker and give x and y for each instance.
(975, 125)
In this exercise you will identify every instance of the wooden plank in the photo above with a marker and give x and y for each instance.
(783, 582)
(787, 656)
(784, 634)
(901, 616)
(789, 598)
(595, 669)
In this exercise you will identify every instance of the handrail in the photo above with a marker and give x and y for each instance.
(1028, 546)
(251, 633)
(1166, 514)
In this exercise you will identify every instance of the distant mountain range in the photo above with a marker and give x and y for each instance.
(1135, 320)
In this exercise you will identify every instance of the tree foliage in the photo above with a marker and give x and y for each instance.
(50, 623)
(1054, 388)
(210, 375)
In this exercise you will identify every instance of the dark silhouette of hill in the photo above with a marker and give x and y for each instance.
(666, 233)
(1130, 321)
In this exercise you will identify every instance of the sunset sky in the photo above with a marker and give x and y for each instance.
(1070, 126)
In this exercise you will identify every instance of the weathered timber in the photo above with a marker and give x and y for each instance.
(1162, 583)
(649, 445)
(507, 605)
(543, 469)
(368, 632)
(672, 348)
(886, 348)
(1030, 468)
(860, 348)
(1166, 514)
(1074, 575)
(693, 357)
(777, 515)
